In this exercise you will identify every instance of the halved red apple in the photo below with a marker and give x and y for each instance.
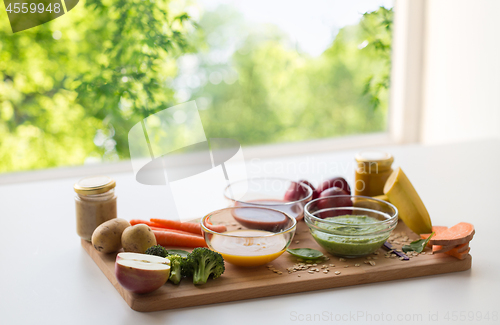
(141, 273)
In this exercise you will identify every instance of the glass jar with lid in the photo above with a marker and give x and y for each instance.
(95, 203)
(373, 170)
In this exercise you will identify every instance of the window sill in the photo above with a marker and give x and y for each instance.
(251, 152)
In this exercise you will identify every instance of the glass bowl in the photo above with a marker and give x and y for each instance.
(276, 193)
(248, 236)
(350, 226)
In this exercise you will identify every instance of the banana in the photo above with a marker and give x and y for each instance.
(381, 197)
(412, 211)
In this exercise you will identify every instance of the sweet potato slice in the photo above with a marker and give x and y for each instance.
(436, 230)
(460, 233)
(458, 255)
(442, 249)
(462, 248)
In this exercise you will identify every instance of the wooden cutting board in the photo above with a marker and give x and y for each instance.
(244, 283)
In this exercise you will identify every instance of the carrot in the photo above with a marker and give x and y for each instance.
(134, 222)
(149, 223)
(216, 228)
(170, 238)
(192, 227)
(174, 230)
(460, 233)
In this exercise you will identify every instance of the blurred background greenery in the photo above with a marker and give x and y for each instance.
(71, 89)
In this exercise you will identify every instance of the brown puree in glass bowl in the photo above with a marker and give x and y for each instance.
(266, 219)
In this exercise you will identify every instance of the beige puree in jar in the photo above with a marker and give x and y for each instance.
(95, 203)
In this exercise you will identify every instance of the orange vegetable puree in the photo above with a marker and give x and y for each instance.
(251, 249)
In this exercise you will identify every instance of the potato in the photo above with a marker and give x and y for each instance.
(107, 238)
(138, 239)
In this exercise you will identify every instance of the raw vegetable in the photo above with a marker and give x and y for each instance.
(296, 191)
(331, 200)
(441, 249)
(216, 228)
(435, 229)
(176, 268)
(138, 238)
(458, 234)
(438, 230)
(107, 237)
(174, 230)
(305, 253)
(191, 227)
(134, 222)
(157, 250)
(417, 245)
(308, 184)
(403, 195)
(462, 248)
(203, 262)
(171, 238)
(179, 252)
(459, 255)
(459, 251)
(339, 182)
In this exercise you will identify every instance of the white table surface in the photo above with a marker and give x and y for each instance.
(47, 278)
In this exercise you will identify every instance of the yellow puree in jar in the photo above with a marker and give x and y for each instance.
(250, 250)
(374, 168)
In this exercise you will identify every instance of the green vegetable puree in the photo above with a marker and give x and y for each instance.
(349, 240)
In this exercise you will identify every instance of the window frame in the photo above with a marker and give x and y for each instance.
(407, 71)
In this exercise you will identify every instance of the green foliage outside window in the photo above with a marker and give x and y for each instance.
(71, 89)
(284, 95)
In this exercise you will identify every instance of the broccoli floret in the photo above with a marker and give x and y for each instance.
(157, 250)
(202, 262)
(176, 266)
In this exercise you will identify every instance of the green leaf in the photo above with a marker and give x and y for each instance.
(305, 253)
(417, 245)
(179, 252)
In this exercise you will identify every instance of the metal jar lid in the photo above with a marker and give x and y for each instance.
(94, 185)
